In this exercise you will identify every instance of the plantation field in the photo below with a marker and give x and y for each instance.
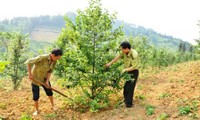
(44, 34)
(166, 93)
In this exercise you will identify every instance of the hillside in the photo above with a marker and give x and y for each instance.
(45, 34)
(156, 39)
(47, 29)
(173, 92)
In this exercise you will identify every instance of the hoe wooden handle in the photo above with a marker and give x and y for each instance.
(41, 83)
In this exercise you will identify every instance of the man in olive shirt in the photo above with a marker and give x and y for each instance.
(131, 61)
(40, 68)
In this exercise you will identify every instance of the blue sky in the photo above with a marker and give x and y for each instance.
(177, 18)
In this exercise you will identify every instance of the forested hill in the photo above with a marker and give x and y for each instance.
(47, 28)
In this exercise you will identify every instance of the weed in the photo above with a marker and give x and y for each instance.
(184, 110)
(150, 110)
(194, 116)
(140, 97)
(118, 104)
(139, 87)
(154, 83)
(3, 105)
(194, 105)
(25, 117)
(181, 81)
(164, 95)
(163, 116)
(189, 108)
(51, 115)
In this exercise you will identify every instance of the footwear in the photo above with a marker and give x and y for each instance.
(129, 106)
(36, 113)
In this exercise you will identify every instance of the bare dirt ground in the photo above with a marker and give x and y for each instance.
(166, 89)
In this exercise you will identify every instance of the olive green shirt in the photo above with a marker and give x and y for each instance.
(131, 59)
(41, 65)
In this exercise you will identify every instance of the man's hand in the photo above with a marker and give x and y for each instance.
(107, 65)
(30, 76)
(47, 84)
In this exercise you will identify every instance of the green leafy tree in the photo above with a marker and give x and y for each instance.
(145, 50)
(88, 44)
(17, 55)
(4, 44)
(182, 47)
(2, 65)
(158, 57)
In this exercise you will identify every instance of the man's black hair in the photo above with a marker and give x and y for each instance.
(57, 52)
(125, 45)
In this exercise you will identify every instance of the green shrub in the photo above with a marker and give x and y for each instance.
(184, 110)
(150, 110)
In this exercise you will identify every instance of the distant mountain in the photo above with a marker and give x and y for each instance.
(156, 39)
(45, 29)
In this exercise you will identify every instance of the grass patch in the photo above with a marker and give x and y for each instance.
(50, 116)
(139, 87)
(150, 110)
(163, 116)
(184, 110)
(3, 105)
(164, 95)
(140, 97)
(25, 117)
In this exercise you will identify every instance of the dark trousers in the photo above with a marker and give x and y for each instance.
(129, 88)
(36, 91)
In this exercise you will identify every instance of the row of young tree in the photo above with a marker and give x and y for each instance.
(88, 44)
